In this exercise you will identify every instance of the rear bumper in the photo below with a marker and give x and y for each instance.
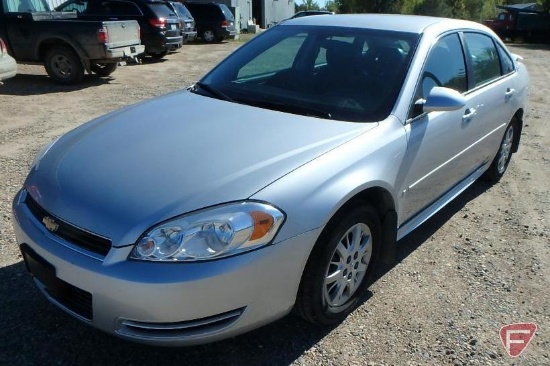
(157, 43)
(189, 36)
(125, 52)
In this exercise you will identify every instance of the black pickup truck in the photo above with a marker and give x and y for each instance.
(66, 46)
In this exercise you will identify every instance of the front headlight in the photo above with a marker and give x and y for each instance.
(212, 233)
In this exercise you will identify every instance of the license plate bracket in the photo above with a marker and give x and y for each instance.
(43, 271)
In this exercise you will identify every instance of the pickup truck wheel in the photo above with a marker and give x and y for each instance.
(104, 69)
(158, 55)
(338, 271)
(63, 65)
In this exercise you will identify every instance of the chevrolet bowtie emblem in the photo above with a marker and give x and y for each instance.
(50, 224)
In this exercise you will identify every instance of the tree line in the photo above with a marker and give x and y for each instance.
(476, 10)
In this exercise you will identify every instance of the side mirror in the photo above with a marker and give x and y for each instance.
(443, 100)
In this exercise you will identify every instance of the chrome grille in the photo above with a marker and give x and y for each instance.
(74, 235)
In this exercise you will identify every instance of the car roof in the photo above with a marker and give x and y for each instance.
(396, 22)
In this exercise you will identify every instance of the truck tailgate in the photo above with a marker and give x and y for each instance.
(122, 33)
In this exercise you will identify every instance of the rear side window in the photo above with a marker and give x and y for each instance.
(228, 14)
(78, 6)
(506, 62)
(483, 55)
(162, 10)
(445, 67)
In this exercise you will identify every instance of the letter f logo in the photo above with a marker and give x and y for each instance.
(516, 337)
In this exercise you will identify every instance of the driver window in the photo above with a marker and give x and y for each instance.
(445, 67)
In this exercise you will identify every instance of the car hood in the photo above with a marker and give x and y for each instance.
(124, 172)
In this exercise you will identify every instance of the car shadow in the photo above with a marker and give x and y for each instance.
(415, 239)
(35, 332)
(27, 84)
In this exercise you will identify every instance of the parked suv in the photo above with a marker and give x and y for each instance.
(189, 31)
(215, 22)
(161, 28)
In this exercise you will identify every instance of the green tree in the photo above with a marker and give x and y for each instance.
(306, 5)
(331, 5)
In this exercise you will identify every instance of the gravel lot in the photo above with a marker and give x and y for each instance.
(481, 263)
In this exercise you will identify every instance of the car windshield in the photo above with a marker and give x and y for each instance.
(348, 74)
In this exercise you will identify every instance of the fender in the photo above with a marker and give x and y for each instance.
(56, 38)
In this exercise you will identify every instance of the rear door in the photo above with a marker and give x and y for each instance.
(492, 92)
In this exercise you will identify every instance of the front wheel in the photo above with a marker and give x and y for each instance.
(104, 69)
(340, 267)
(502, 159)
(63, 65)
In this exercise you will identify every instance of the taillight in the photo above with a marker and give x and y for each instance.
(102, 35)
(158, 23)
(225, 24)
(139, 32)
(3, 48)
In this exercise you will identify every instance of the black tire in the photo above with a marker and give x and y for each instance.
(318, 301)
(158, 55)
(63, 65)
(104, 69)
(504, 155)
(209, 36)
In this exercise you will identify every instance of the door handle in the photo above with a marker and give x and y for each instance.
(469, 114)
(509, 93)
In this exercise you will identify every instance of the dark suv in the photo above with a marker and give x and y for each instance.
(215, 22)
(161, 28)
(189, 30)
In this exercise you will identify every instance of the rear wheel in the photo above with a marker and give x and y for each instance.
(104, 69)
(209, 36)
(502, 159)
(339, 269)
(63, 65)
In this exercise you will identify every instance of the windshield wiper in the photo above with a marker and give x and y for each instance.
(213, 91)
(290, 108)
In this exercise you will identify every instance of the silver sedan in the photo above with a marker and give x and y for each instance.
(8, 67)
(299, 163)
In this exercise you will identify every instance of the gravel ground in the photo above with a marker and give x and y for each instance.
(481, 263)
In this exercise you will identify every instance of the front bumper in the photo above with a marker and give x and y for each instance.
(169, 303)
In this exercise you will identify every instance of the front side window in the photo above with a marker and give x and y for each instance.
(338, 73)
(444, 67)
(484, 57)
